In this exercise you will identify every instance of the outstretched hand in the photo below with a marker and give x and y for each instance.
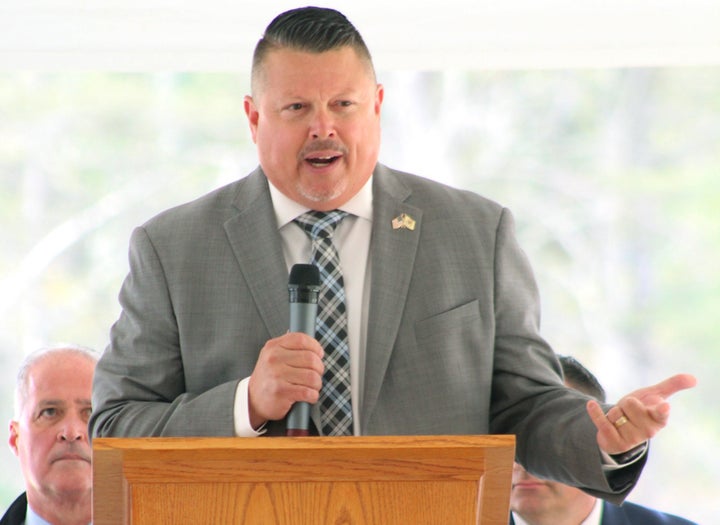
(638, 416)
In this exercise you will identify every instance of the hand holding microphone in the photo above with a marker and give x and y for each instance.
(289, 368)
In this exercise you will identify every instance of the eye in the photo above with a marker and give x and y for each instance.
(297, 106)
(344, 103)
(48, 412)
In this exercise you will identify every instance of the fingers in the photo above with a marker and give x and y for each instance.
(651, 417)
(654, 394)
(609, 437)
(674, 384)
(617, 433)
(638, 416)
(289, 369)
(627, 424)
(601, 421)
(298, 341)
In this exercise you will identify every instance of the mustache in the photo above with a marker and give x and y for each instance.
(323, 145)
(70, 451)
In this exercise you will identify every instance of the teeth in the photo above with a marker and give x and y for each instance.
(322, 161)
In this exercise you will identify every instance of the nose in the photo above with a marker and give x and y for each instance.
(73, 429)
(322, 125)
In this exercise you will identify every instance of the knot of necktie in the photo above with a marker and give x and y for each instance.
(319, 224)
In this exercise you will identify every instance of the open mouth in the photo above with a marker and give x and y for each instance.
(321, 162)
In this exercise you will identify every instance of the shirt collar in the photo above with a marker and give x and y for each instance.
(286, 209)
(33, 519)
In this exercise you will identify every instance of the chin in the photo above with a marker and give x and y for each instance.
(321, 195)
(73, 485)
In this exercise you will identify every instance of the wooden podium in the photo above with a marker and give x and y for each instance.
(405, 480)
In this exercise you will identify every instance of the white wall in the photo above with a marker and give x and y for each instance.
(135, 35)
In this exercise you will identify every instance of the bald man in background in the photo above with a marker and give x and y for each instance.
(49, 435)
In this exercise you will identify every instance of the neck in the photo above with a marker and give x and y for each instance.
(63, 510)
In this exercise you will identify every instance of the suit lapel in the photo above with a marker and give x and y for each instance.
(393, 254)
(255, 240)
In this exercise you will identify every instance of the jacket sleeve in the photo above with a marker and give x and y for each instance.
(139, 385)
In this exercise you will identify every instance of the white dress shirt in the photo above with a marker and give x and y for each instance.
(352, 239)
(33, 519)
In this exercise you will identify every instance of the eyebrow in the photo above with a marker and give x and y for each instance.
(62, 402)
(44, 402)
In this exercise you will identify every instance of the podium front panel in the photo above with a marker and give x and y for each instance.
(303, 481)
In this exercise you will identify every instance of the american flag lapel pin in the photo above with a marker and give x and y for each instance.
(403, 221)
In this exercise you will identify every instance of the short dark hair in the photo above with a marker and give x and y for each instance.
(580, 378)
(310, 29)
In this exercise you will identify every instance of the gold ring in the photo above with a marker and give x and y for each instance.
(620, 421)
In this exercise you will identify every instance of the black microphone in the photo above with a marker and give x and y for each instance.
(303, 288)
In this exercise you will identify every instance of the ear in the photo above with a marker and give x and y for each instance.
(379, 95)
(253, 116)
(14, 436)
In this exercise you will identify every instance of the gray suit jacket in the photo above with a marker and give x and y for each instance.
(452, 344)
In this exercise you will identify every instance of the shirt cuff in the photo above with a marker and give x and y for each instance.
(618, 461)
(241, 412)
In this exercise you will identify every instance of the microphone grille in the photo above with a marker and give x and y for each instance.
(304, 275)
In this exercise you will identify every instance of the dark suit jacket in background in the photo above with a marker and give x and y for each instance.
(15, 514)
(453, 344)
(634, 514)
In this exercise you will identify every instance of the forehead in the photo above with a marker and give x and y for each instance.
(60, 376)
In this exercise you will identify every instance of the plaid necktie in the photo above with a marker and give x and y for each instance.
(335, 401)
